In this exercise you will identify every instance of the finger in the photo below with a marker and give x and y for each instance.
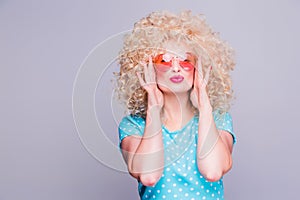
(150, 60)
(207, 75)
(199, 68)
(196, 79)
(141, 80)
(151, 70)
(146, 72)
(199, 81)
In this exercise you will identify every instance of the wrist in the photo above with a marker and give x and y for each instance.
(154, 110)
(153, 120)
(206, 109)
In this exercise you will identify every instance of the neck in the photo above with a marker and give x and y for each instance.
(177, 108)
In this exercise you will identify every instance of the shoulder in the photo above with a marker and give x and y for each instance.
(218, 115)
(131, 125)
(223, 121)
(132, 120)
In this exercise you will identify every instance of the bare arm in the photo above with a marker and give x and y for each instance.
(145, 155)
(148, 160)
(214, 146)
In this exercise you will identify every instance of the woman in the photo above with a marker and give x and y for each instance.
(174, 79)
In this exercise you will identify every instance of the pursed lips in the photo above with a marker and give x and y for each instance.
(177, 79)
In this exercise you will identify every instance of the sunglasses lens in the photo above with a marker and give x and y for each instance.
(163, 62)
(186, 65)
(163, 67)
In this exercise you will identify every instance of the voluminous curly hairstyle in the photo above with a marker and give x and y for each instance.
(147, 38)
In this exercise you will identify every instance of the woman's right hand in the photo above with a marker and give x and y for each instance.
(155, 96)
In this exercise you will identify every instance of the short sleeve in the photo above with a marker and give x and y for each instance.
(130, 125)
(224, 122)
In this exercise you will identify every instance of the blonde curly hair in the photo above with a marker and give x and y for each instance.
(147, 38)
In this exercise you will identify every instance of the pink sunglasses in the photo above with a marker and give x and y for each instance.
(164, 62)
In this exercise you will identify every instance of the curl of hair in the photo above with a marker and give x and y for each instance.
(147, 38)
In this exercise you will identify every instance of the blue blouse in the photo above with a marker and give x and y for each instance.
(181, 178)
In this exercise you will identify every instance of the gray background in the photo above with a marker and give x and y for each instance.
(42, 45)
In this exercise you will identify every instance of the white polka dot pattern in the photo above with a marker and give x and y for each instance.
(181, 178)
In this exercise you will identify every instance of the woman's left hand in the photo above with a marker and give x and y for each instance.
(199, 96)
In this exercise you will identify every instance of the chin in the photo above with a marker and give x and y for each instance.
(175, 89)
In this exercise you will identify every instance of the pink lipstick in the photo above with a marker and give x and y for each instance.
(177, 79)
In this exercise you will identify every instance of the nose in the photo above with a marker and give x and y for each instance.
(175, 65)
